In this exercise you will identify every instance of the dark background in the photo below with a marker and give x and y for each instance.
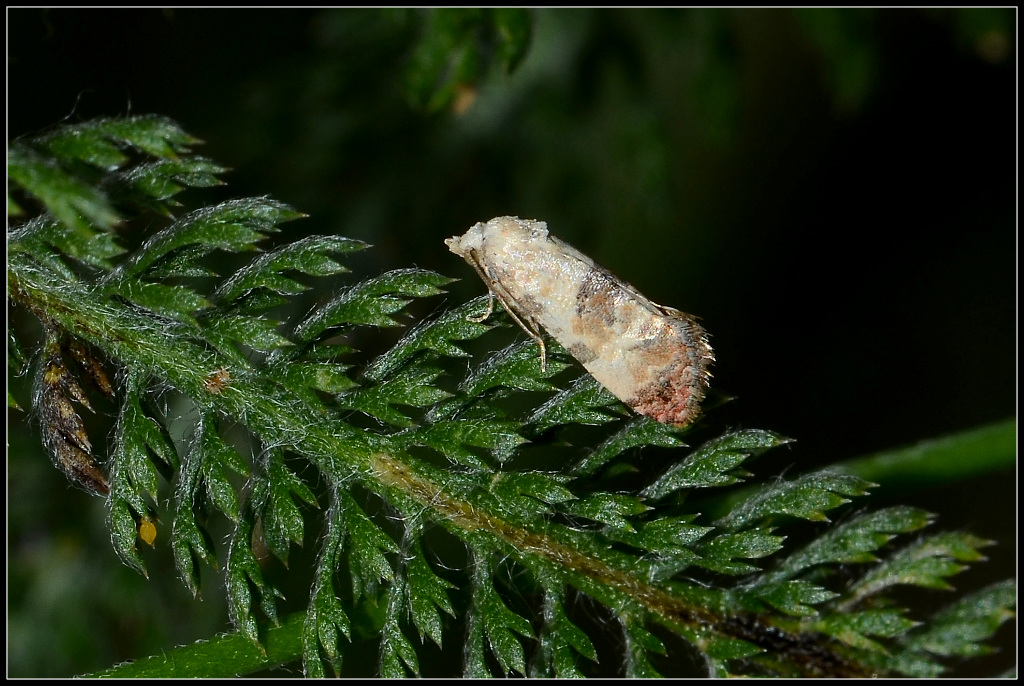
(832, 191)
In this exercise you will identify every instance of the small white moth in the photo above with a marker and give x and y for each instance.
(653, 358)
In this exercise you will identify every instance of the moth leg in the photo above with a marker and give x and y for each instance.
(543, 354)
(477, 318)
(474, 261)
(494, 291)
(528, 326)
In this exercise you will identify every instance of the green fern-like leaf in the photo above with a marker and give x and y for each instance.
(445, 504)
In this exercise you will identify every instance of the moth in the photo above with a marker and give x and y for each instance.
(653, 358)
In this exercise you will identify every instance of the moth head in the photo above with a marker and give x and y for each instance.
(471, 240)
